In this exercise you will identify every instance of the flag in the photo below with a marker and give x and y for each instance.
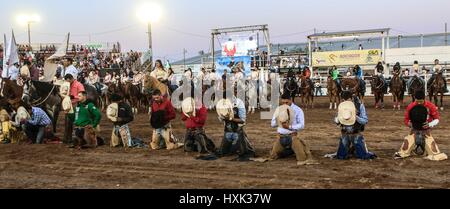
(62, 49)
(5, 53)
(50, 66)
(13, 51)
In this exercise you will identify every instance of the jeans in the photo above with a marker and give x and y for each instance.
(124, 133)
(35, 133)
(232, 137)
(319, 91)
(359, 148)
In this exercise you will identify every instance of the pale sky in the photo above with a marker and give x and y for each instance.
(188, 23)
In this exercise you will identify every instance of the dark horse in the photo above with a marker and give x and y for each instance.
(397, 89)
(11, 91)
(133, 95)
(416, 85)
(353, 85)
(378, 86)
(45, 96)
(437, 89)
(291, 87)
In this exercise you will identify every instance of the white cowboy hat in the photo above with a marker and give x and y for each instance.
(112, 112)
(225, 108)
(188, 106)
(64, 90)
(283, 114)
(347, 113)
(67, 104)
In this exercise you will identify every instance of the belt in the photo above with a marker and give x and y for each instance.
(292, 134)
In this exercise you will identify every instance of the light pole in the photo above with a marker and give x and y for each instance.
(149, 13)
(28, 20)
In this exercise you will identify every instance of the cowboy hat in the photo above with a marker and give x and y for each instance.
(188, 106)
(64, 89)
(67, 104)
(112, 112)
(418, 116)
(225, 108)
(284, 114)
(347, 113)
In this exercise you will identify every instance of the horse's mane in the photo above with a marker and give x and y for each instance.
(43, 88)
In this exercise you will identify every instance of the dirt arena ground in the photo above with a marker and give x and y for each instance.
(55, 166)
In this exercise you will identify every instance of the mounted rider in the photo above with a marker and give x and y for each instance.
(416, 73)
(437, 69)
(398, 71)
(359, 74)
(306, 72)
(334, 73)
(379, 71)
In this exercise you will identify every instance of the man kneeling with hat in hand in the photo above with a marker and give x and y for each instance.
(121, 114)
(421, 116)
(289, 119)
(195, 118)
(352, 117)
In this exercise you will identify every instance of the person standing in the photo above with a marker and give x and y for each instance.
(74, 91)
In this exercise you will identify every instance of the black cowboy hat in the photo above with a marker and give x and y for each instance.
(418, 116)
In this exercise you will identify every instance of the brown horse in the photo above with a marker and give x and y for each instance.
(133, 95)
(333, 93)
(398, 92)
(437, 89)
(306, 92)
(352, 84)
(378, 91)
(11, 91)
(149, 84)
(114, 88)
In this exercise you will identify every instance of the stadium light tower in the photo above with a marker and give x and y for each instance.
(149, 13)
(28, 20)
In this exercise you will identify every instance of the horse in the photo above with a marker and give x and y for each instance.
(11, 91)
(378, 85)
(306, 92)
(149, 84)
(416, 85)
(437, 89)
(45, 96)
(291, 87)
(133, 95)
(333, 93)
(353, 85)
(398, 92)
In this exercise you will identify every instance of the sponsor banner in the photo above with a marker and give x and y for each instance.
(228, 63)
(346, 58)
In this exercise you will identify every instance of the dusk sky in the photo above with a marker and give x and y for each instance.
(188, 23)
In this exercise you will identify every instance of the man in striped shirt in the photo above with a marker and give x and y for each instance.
(35, 127)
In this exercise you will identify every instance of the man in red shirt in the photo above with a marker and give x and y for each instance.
(195, 118)
(162, 112)
(421, 116)
(75, 88)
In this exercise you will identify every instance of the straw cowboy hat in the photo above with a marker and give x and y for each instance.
(67, 104)
(188, 106)
(283, 114)
(64, 88)
(112, 112)
(225, 108)
(347, 113)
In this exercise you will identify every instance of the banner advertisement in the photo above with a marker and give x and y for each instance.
(238, 44)
(346, 58)
(228, 63)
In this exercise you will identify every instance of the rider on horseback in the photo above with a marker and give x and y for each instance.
(358, 72)
(334, 73)
(398, 70)
(415, 74)
(437, 69)
(306, 72)
(379, 71)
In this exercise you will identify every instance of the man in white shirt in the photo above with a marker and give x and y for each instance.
(12, 72)
(69, 68)
(288, 142)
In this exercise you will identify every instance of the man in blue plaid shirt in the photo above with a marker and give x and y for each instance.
(35, 127)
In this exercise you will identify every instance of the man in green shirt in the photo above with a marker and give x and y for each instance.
(334, 73)
(86, 120)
